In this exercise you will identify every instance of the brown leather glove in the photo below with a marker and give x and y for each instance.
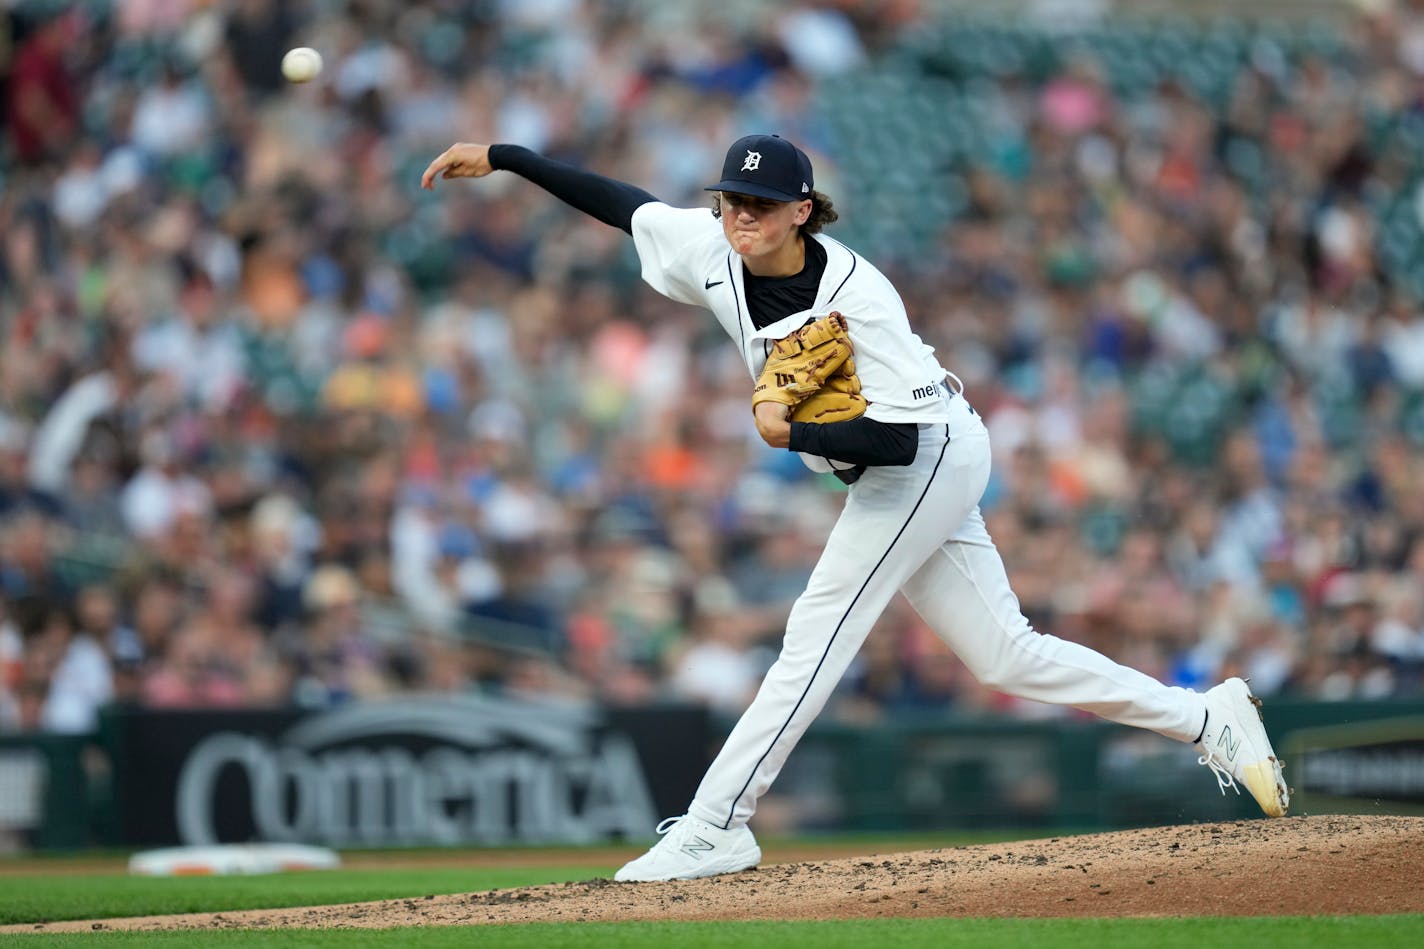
(800, 364)
(836, 401)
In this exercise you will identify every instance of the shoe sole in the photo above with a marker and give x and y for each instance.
(733, 863)
(1265, 778)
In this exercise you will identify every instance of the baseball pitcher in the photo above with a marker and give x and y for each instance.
(840, 377)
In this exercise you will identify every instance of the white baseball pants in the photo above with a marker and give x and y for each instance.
(918, 529)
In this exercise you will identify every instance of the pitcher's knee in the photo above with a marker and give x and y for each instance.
(1004, 672)
(1000, 677)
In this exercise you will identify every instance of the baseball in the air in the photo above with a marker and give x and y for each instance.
(301, 64)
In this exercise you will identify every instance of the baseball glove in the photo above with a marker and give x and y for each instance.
(836, 401)
(799, 366)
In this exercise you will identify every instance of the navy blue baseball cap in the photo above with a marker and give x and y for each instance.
(766, 166)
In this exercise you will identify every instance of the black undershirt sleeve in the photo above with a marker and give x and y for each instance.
(610, 201)
(859, 441)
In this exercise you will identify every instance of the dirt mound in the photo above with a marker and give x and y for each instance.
(1294, 866)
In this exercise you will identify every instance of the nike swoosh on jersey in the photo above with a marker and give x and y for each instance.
(709, 284)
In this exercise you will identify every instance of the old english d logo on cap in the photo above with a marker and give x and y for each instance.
(766, 166)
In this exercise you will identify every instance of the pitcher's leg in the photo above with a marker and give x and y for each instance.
(963, 593)
(893, 519)
(822, 637)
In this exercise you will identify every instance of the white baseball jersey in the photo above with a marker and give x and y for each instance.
(685, 257)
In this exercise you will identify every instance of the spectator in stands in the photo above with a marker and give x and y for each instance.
(718, 665)
(43, 93)
(156, 606)
(335, 659)
(16, 494)
(30, 580)
(12, 671)
(191, 672)
(80, 680)
(237, 649)
(162, 491)
(196, 347)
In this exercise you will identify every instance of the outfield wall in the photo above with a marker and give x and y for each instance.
(474, 771)
(1087, 774)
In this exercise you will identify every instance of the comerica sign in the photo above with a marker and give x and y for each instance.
(342, 780)
(441, 770)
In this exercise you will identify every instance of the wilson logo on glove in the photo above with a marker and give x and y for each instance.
(812, 371)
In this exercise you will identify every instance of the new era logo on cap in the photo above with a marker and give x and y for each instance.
(766, 166)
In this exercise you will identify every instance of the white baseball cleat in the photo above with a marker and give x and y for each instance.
(1234, 745)
(693, 848)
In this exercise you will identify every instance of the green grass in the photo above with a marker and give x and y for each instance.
(1345, 932)
(100, 896)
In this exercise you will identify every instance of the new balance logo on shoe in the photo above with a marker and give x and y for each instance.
(696, 847)
(1225, 742)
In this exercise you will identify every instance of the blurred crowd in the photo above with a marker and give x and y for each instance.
(278, 427)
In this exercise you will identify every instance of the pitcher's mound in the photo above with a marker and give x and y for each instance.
(1293, 866)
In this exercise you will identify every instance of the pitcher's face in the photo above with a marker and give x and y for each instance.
(760, 227)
